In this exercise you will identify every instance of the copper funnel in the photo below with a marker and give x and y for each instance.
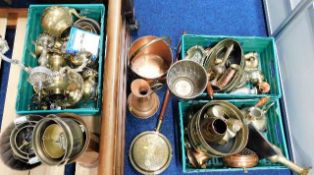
(150, 57)
(142, 101)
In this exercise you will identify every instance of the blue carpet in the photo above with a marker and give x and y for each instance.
(172, 18)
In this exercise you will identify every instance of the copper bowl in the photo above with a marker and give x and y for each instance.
(150, 58)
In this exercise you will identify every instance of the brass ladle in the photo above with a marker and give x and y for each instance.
(150, 152)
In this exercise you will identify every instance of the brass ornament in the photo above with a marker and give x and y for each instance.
(57, 19)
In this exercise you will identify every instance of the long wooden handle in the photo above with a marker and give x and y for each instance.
(164, 105)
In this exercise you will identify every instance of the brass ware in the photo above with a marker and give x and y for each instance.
(59, 140)
(251, 61)
(196, 53)
(81, 58)
(56, 61)
(264, 149)
(197, 159)
(56, 20)
(142, 101)
(150, 152)
(90, 84)
(21, 138)
(149, 58)
(213, 129)
(224, 54)
(74, 89)
(218, 149)
(187, 79)
(257, 116)
(58, 84)
(87, 24)
(244, 159)
(43, 42)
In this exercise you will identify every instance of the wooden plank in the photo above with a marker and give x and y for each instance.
(85, 170)
(47, 170)
(9, 107)
(3, 26)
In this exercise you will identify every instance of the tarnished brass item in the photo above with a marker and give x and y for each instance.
(58, 83)
(59, 140)
(265, 149)
(257, 116)
(87, 24)
(149, 58)
(244, 159)
(150, 152)
(213, 129)
(56, 61)
(196, 53)
(56, 20)
(224, 54)
(21, 137)
(43, 42)
(90, 85)
(226, 111)
(251, 61)
(74, 89)
(142, 101)
(187, 79)
(81, 58)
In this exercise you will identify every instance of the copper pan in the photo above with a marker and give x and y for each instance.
(150, 58)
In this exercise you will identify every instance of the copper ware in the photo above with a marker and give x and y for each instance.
(59, 140)
(264, 149)
(149, 58)
(244, 159)
(263, 87)
(150, 152)
(227, 76)
(187, 79)
(142, 101)
(196, 137)
(57, 19)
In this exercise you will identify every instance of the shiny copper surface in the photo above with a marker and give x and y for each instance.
(142, 101)
(150, 61)
(245, 159)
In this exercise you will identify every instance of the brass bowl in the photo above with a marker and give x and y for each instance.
(150, 57)
(187, 79)
(56, 20)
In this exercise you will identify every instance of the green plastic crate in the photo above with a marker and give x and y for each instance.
(33, 30)
(275, 134)
(264, 46)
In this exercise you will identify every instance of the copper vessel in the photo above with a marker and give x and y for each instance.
(244, 159)
(142, 101)
(149, 58)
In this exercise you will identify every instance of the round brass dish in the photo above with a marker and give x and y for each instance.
(54, 141)
(58, 140)
(150, 151)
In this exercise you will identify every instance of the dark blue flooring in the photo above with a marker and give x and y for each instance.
(172, 18)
